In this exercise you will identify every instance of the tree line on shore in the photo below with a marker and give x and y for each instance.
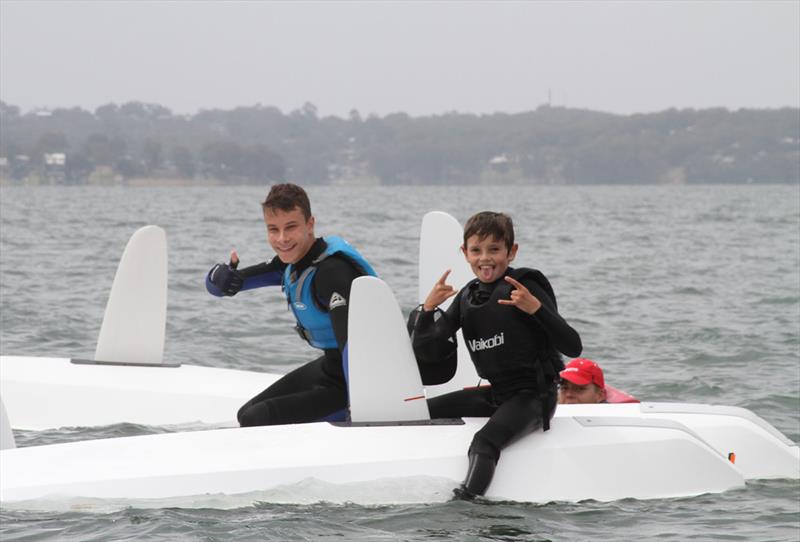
(260, 144)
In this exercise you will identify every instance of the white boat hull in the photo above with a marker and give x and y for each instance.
(602, 452)
(607, 456)
(44, 393)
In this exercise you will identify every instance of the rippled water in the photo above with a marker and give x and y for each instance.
(682, 293)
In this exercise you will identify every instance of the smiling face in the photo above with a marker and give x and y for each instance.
(289, 233)
(488, 257)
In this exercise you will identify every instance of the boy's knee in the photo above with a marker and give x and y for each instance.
(253, 415)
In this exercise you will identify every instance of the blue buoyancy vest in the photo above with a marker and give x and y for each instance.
(313, 320)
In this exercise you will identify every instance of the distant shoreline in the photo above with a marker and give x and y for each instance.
(145, 145)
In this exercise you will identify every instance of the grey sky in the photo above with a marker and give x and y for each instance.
(418, 57)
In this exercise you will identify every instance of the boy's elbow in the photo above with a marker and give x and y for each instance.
(578, 350)
(575, 353)
(575, 348)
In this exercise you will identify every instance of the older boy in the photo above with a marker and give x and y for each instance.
(316, 274)
(514, 333)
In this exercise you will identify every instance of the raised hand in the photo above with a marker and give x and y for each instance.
(225, 276)
(521, 297)
(439, 294)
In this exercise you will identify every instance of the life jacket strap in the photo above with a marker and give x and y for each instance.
(545, 414)
(301, 281)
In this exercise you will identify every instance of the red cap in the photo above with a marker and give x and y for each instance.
(581, 371)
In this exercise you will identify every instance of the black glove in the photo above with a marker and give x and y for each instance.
(226, 278)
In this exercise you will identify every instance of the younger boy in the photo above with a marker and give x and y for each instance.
(514, 333)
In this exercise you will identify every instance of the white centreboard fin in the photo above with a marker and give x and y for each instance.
(135, 320)
(440, 243)
(384, 381)
(440, 240)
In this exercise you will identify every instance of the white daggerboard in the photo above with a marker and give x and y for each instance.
(384, 381)
(440, 243)
(135, 319)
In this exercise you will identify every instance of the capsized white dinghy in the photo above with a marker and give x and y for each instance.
(155, 466)
(602, 458)
(601, 452)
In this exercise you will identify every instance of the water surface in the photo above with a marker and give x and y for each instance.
(682, 293)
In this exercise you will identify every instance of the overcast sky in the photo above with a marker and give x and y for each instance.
(421, 58)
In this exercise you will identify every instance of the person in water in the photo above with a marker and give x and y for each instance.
(582, 382)
(514, 334)
(316, 274)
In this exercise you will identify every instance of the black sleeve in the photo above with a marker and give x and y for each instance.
(332, 283)
(565, 339)
(431, 332)
(263, 274)
(272, 266)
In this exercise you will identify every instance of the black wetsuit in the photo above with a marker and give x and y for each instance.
(523, 372)
(316, 390)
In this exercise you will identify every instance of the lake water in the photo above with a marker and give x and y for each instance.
(682, 293)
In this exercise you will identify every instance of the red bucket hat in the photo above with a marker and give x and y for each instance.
(581, 371)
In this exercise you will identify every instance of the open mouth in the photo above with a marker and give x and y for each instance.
(285, 254)
(485, 272)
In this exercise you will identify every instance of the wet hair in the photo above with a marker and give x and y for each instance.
(485, 223)
(286, 197)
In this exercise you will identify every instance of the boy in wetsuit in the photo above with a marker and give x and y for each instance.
(316, 274)
(514, 333)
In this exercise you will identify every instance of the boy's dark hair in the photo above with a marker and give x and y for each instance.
(286, 197)
(485, 223)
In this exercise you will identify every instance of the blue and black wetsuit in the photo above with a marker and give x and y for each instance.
(318, 291)
(518, 353)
